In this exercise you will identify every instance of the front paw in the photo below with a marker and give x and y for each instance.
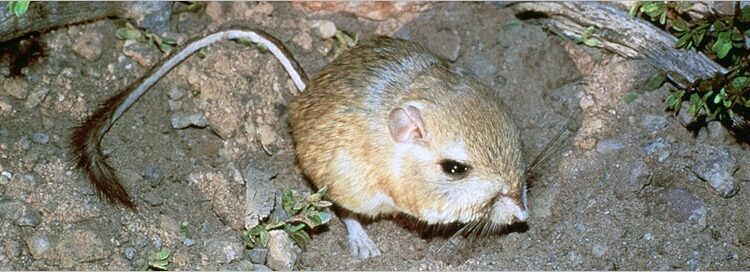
(362, 247)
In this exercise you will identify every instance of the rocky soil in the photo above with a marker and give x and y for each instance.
(630, 189)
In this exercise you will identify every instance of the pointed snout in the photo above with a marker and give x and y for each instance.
(507, 211)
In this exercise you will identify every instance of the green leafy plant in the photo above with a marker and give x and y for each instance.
(721, 37)
(303, 212)
(158, 261)
(18, 7)
(130, 32)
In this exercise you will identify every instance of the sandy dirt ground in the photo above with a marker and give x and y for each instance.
(627, 191)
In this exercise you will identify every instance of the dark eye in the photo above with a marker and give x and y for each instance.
(454, 169)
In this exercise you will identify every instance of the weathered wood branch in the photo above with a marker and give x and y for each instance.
(629, 37)
(42, 15)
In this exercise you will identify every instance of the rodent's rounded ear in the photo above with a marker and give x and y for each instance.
(406, 125)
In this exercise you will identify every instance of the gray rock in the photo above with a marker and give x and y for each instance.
(716, 166)
(685, 118)
(281, 251)
(599, 250)
(175, 94)
(608, 145)
(188, 242)
(694, 262)
(36, 96)
(38, 245)
(24, 143)
(324, 29)
(580, 227)
(260, 267)
(29, 217)
(258, 255)
(659, 148)
(630, 179)
(243, 265)
(40, 138)
(224, 250)
(677, 205)
(158, 242)
(5, 177)
(16, 87)
(183, 120)
(23, 214)
(716, 132)
(153, 174)
(657, 144)
(89, 45)
(575, 258)
(151, 15)
(143, 53)
(129, 253)
(653, 123)
(260, 193)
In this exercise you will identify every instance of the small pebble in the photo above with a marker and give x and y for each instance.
(608, 145)
(40, 138)
(38, 245)
(158, 242)
(281, 254)
(695, 262)
(129, 253)
(324, 29)
(685, 118)
(30, 217)
(716, 132)
(580, 227)
(180, 121)
(153, 173)
(5, 177)
(648, 236)
(175, 94)
(653, 123)
(225, 249)
(24, 143)
(631, 179)
(260, 267)
(243, 265)
(258, 255)
(188, 242)
(716, 166)
(598, 250)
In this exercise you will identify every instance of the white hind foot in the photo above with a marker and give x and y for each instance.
(360, 245)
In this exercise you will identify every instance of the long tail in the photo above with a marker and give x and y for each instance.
(86, 138)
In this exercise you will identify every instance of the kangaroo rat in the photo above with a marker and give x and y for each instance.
(387, 126)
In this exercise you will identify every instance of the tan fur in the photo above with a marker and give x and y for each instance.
(340, 129)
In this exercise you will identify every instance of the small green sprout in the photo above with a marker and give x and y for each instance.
(261, 47)
(185, 229)
(587, 37)
(344, 41)
(18, 7)
(304, 212)
(629, 97)
(158, 261)
(130, 32)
